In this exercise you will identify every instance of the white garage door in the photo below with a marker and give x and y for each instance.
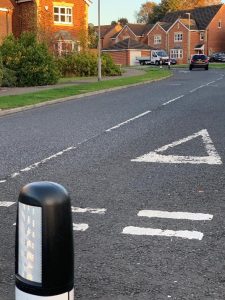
(133, 56)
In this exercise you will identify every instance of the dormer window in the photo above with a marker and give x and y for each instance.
(63, 15)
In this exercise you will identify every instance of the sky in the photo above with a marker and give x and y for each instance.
(112, 10)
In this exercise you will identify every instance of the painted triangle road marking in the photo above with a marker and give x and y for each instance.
(212, 158)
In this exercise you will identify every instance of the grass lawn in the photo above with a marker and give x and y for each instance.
(7, 102)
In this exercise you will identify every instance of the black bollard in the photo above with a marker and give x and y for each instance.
(44, 243)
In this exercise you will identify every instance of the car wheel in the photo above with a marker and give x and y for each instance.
(206, 68)
(190, 68)
(157, 63)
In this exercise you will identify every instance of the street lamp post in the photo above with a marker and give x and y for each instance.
(189, 37)
(99, 44)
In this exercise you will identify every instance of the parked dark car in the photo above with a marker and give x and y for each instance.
(173, 61)
(199, 61)
(217, 57)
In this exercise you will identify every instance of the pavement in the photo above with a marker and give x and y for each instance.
(150, 160)
(128, 72)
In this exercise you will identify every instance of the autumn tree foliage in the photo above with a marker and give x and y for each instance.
(145, 12)
(156, 12)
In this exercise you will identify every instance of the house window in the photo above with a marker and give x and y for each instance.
(176, 53)
(62, 15)
(220, 24)
(157, 39)
(178, 37)
(202, 36)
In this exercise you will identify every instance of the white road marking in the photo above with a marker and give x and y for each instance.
(185, 234)
(166, 103)
(213, 157)
(211, 82)
(175, 215)
(6, 204)
(80, 227)
(35, 165)
(207, 84)
(100, 211)
(128, 121)
(198, 88)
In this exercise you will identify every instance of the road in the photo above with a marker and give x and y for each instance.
(150, 161)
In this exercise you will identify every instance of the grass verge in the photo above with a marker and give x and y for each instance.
(7, 102)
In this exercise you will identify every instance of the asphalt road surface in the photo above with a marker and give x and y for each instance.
(150, 161)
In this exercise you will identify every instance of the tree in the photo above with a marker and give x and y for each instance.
(92, 37)
(146, 12)
(123, 21)
(199, 3)
(165, 6)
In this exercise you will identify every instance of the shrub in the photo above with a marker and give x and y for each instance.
(86, 64)
(9, 78)
(109, 68)
(30, 60)
(1, 70)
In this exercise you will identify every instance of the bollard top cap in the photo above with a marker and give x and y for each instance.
(43, 193)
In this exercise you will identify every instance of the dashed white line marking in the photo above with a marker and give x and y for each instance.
(198, 88)
(6, 204)
(35, 165)
(207, 84)
(211, 82)
(185, 234)
(172, 100)
(175, 215)
(128, 121)
(80, 227)
(100, 211)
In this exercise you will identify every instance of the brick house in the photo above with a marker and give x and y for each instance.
(205, 26)
(63, 23)
(132, 31)
(6, 10)
(107, 31)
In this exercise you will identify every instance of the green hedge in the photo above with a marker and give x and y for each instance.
(86, 64)
(29, 61)
(1, 70)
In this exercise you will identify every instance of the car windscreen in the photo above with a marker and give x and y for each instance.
(162, 53)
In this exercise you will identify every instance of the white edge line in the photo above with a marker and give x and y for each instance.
(128, 121)
(185, 234)
(166, 103)
(80, 227)
(6, 204)
(100, 211)
(175, 215)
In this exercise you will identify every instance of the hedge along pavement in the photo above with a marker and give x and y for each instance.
(15, 103)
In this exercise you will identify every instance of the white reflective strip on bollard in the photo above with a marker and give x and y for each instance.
(24, 296)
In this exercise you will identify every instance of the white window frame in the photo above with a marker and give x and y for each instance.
(220, 24)
(176, 53)
(178, 37)
(202, 36)
(68, 15)
(157, 39)
(59, 46)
